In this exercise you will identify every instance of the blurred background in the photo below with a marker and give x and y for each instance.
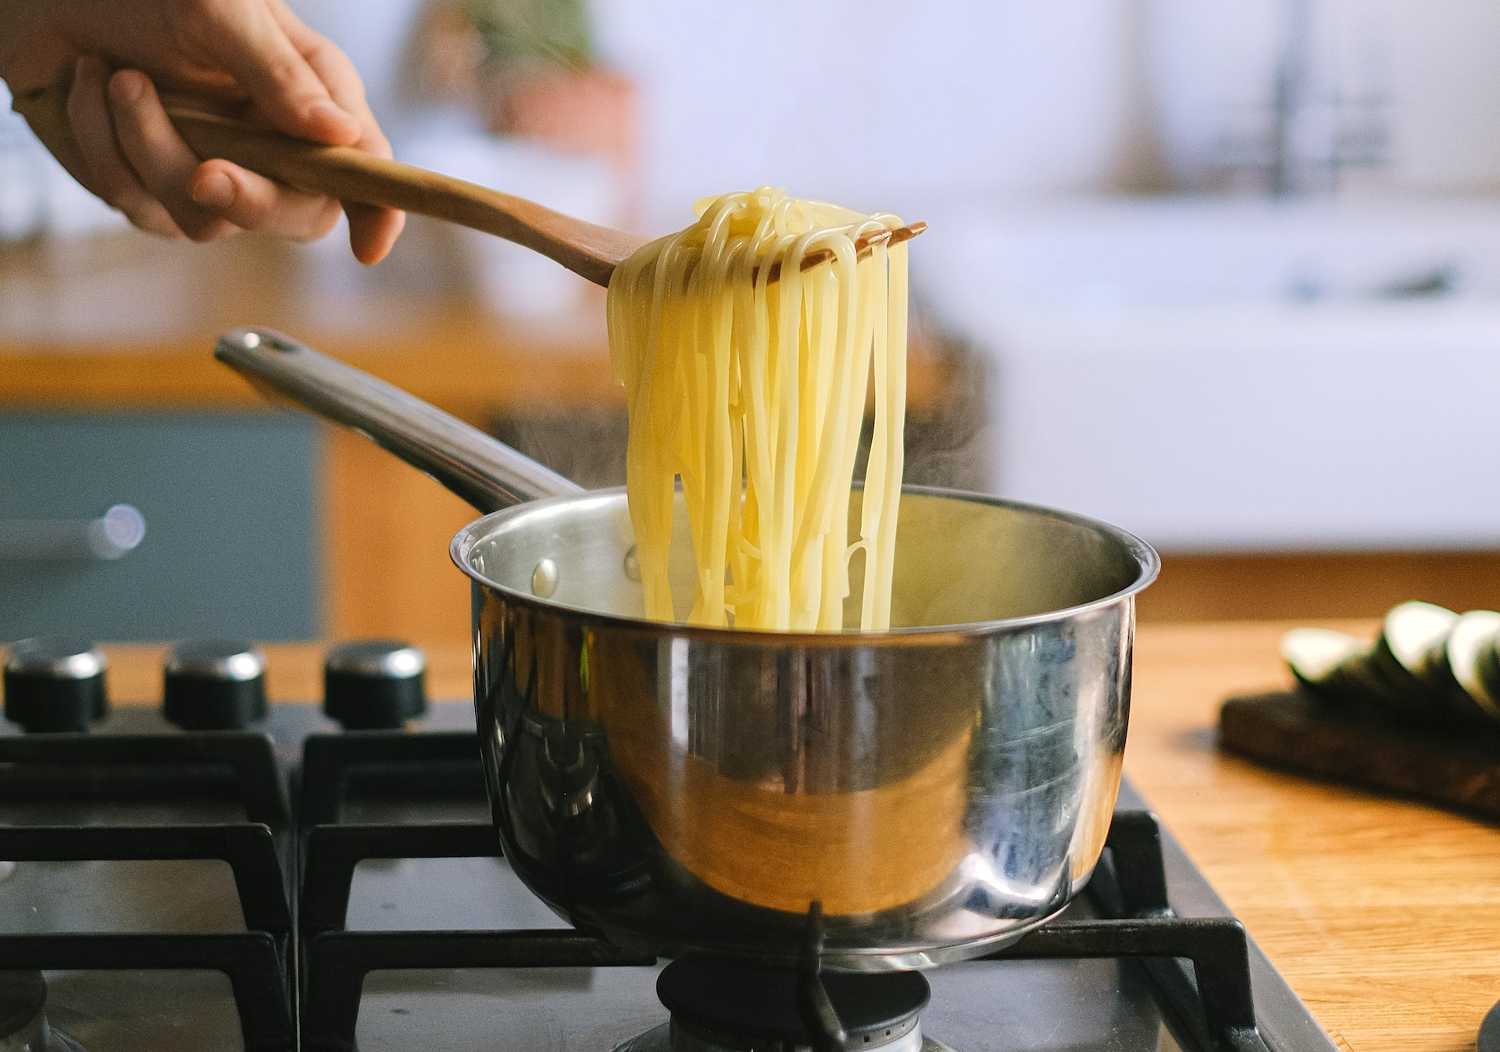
(1228, 275)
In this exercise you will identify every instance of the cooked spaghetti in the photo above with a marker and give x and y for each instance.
(752, 392)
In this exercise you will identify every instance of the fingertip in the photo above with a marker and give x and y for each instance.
(212, 186)
(128, 86)
(368, 250)
(213, 166)
(373, 232)
(218, 166)
(328, 123)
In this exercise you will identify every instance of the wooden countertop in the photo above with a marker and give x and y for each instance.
(126, 321)
(1383, 915)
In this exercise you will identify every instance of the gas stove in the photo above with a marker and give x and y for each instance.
(219, 873)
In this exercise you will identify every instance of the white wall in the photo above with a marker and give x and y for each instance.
(1434, 59)
(887, 103)
(1446, 66)
(876, 103)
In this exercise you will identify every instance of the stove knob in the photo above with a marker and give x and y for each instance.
(54, 684)
(374, 684)
(214, 685)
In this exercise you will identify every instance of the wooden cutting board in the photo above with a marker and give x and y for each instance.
(1458, 768)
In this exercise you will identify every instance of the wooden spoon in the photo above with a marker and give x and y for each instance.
(350, 174)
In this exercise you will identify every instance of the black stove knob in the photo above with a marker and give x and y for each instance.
(214, 685)
(54, 684)
(374, 684)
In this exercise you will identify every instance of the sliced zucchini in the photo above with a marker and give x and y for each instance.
(1474, 657)
(1411, 655)
(1428, 663)
(1339, 668)
(1416, 635)
(1345, 669)
(1315, 656)
(1489, 670)
(1374, 678)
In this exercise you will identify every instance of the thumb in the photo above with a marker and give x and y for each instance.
(281, 83)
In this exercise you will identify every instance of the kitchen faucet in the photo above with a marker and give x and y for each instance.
(1312, 136)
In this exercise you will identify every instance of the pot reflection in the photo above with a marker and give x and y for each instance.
(932, 794)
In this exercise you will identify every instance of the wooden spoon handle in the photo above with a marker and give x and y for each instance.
(353, 175)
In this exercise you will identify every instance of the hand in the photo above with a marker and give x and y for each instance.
(254, 56)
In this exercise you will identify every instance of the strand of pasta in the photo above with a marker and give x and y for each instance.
(752, 394)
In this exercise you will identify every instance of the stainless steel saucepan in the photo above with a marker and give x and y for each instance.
(897, 799)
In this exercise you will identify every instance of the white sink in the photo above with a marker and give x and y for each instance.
(1237, 375)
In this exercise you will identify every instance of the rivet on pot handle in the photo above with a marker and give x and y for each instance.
(485, 472)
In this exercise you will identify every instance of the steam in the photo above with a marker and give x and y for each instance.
(945, 434)
(586, 444)
(946, 431)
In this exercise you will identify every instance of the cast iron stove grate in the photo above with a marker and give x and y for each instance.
(111, 768)
(1200, 966)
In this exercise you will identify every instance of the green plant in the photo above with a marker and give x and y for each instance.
(520, 32)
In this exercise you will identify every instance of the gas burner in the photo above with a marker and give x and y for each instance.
(23, 1016)
(733, 1006)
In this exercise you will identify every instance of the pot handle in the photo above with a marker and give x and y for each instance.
(487, 473)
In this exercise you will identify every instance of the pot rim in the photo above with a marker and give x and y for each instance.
(1148, 563)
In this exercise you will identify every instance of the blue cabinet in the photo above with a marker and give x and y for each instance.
(231, 545)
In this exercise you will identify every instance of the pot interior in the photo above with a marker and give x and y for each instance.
(960, 558)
